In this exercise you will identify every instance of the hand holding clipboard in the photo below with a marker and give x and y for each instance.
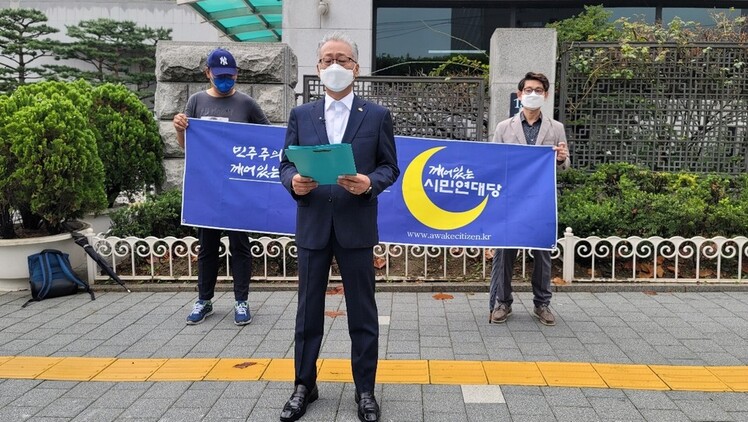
(323, 163)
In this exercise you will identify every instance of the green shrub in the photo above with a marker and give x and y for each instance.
(50, 171)
(627, 200)
(159, 216)
(128, 141)
(78, 92)
(730, 211)
(127, 135)
(6, 219)
(591, 25)
(48, 133)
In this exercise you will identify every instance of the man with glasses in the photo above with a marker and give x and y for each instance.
(528, 127)
(338, 221)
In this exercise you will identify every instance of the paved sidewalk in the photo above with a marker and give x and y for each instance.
(664, 331)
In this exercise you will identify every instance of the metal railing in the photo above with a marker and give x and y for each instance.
(577, 259)
(432, 107)
(667, 107)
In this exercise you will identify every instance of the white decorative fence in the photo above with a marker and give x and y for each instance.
(589, 259)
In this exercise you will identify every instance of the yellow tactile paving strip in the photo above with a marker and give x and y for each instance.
(554, 374)
(237, 369)
(456, 372)
(559, 374)
(735, 377)
(76, 369)
(513, 373)
(637, 377)
(129, 370)
(403, 372)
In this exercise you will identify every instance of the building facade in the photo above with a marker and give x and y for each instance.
(393, 33)
(183, 22)
(431, 29)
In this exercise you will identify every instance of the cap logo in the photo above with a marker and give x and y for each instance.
(224, 61)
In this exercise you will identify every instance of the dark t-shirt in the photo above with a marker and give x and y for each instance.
(239, 107)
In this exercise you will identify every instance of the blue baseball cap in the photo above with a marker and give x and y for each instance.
(221, 62)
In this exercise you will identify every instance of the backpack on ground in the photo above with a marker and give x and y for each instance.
(51, 275)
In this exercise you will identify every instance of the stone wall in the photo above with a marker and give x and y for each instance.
(267, 72)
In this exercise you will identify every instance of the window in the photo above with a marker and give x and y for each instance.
(539, 17)
(646, 14)
(412, 41)
(704, 16)
(411, 32)
(415, 40)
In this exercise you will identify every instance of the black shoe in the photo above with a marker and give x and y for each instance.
(295, 407)
(368, 409)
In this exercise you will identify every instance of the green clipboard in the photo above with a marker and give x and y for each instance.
(323, 163)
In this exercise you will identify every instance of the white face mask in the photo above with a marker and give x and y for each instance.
(532, 101)
(336, 78)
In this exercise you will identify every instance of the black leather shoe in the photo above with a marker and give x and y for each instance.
(295, 407)
(368, 409)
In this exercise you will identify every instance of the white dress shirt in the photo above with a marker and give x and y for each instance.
(336, 117)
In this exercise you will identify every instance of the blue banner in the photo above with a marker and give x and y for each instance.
(450, 193)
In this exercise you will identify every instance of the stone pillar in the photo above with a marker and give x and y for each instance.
(267, 73)
(305, 22)
(514, 52)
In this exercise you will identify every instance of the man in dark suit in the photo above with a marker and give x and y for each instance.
(338, 221)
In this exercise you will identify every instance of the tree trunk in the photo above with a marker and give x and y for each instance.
(30, 220)
(6, 224)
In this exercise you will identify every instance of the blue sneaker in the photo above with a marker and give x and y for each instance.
(241, 314)
(200, 310)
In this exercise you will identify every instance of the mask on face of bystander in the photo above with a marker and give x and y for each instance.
(532, 101)
(223, 84)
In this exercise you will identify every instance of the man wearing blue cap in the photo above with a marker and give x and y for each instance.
(221, 102)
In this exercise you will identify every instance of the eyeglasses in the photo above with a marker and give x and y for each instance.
(539, 91)
(341, 60)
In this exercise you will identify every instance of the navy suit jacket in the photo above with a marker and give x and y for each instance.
(353, 217)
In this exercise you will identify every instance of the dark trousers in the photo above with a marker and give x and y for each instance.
(501, 277)
(208, 260)
(357, 272)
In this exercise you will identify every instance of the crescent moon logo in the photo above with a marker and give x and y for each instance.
(422, 208)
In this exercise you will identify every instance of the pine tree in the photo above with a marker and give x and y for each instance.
(22, 42)
(115, 51)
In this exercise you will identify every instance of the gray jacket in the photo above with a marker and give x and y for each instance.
(552, 132)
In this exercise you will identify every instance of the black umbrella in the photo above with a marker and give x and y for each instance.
(82, 241)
